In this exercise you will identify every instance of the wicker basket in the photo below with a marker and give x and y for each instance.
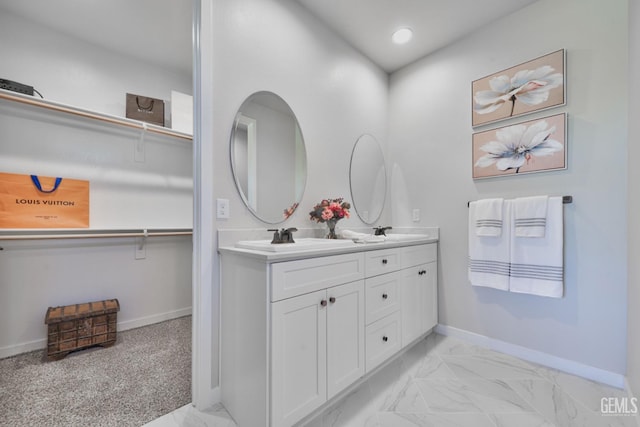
(79, 326)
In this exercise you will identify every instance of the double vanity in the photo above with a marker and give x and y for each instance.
(302, 322)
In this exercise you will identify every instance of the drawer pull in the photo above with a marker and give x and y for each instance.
(332, 300)
(385, 296)
(421, 272)
(384, 261)
(385, 338)
(323, 303)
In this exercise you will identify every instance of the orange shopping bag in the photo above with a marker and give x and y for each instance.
(29, 201)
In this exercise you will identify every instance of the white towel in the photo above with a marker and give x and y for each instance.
(348, 234)
(489, 255)
(530, 216)
(488, 217)
(537, 264)
(361, 237)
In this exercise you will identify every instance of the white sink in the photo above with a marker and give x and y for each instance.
(391, 237)
(301, 244)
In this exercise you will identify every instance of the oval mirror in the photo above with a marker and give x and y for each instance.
(268, 157)
(368, 179)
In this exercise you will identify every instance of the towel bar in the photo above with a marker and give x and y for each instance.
(565, 200)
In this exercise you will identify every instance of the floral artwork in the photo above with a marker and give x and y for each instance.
(535, 85)
(533, 146)
(330, 211)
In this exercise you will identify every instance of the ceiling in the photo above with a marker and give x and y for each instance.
(159, 31)
(368, 24)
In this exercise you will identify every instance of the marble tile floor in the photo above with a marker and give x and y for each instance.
(444, 382)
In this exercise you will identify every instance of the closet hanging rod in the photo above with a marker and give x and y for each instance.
(565, 199)
(56, 106)
(92, 234)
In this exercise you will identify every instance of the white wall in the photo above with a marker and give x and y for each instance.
(124, 192)
(633, 311)
(430, 149)
(72, 71)
(336, 94)
(37, 274)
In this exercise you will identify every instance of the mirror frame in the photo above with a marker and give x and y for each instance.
(252, 184)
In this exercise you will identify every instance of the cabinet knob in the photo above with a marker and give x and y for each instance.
(332, 300)
(385, 338)
(323, 303)
(385, 296)
(384, 261)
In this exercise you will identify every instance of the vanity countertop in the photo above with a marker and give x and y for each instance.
(425, 236)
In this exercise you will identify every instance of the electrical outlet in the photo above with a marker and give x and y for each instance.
(416, 215)
(222, 208)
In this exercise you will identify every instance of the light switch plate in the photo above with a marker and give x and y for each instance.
(222, 208)
(416, 215)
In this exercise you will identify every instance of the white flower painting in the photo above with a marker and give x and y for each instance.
(528, 87)
(534, 146)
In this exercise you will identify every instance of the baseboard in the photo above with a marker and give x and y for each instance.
(207, 399)
(156, 318)
(39, 344)
(569, 366)
(25, 347)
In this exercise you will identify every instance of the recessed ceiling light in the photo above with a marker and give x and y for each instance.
(402, 35)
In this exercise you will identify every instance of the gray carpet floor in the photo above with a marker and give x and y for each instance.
(146, 374)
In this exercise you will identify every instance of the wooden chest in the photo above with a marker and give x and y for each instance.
(79, 326)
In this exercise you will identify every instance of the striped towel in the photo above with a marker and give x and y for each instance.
(488, 217)
(537, 265)
(530, 216)
(489, 255)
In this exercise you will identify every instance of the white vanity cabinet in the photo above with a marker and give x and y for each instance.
(401, 299)
(419, 292)
(296, 331)
(419, 301)
(317, 348)
(383, 334)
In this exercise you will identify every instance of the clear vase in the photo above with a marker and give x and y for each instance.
(331, 224)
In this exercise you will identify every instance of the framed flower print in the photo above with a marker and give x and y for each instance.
(533, 146)
(532, 86)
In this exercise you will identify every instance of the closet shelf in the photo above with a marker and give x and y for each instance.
(92, 234)
(68, 109)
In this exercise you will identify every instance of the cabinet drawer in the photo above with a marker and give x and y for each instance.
(383, 340)
(382, 296)
(292, 278)
(382, 261)
(414, 255)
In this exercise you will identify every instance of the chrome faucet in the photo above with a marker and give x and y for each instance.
(380, 231)
(283, 235)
